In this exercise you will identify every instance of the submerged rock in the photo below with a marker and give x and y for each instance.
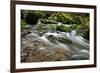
(38, 49)
(81, 55)
(52, 46)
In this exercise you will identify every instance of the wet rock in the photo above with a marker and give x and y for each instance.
(81, 55)
(37, 51)
(46, 55)
(51, 46)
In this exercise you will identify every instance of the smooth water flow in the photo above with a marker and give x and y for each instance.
(67, 44)
(75, 40)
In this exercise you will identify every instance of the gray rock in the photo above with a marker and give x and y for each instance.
(81, 55)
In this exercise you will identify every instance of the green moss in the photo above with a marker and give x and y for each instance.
(23, 23)
(52, 27)
(63, 28)
(77, 21)
(61, 17)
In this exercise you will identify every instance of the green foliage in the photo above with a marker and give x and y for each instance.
(53, 17)
(44, 21)
(52, 27)
(83, 28)
(23, 23)
(40, 26)
(63, 28)
(61, 17)
(31, 17)
(46, 27)
(77, 21)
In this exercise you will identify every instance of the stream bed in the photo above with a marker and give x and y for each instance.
(39, 46)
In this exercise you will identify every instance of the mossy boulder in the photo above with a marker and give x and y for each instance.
(63, 28)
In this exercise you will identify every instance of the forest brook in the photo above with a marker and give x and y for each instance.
(54, 36)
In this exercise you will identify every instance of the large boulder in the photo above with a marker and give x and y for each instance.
(38, 51)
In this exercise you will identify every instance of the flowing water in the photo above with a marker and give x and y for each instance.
(68, 44)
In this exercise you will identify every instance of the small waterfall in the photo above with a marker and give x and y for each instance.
(75, 46)
(73, 33)
(53, 38)
(77, 40)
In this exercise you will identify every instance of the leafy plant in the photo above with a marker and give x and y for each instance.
(61, 17)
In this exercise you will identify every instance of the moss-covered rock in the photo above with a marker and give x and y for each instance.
(23, 23)
(63, 17)
(63, 28)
